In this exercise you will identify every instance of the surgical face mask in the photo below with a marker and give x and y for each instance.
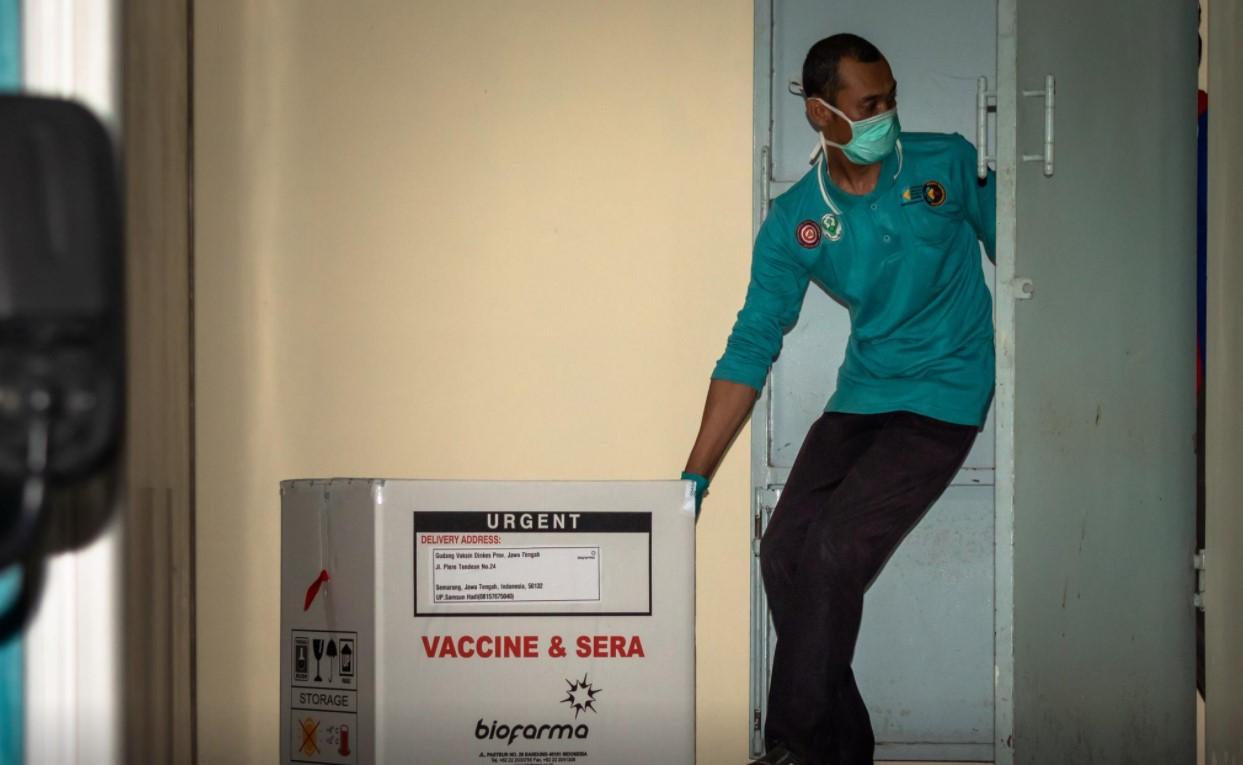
(871, 140)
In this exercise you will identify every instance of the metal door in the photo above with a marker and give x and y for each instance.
(924, 661)
(1095, 402)
(1224, 532)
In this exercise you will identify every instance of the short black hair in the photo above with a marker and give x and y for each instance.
(820, 76)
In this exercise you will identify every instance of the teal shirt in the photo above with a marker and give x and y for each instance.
(905, 261)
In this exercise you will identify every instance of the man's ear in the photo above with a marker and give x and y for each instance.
(817, 114)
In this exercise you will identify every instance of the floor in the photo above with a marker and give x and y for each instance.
(1199, 742)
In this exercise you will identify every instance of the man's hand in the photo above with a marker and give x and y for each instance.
(725, 412)
(701, 488)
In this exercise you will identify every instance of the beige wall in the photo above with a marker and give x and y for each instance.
(460, 240)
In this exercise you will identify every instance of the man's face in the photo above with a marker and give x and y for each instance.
(866, 90)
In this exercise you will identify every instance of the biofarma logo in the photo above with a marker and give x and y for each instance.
(581, 697)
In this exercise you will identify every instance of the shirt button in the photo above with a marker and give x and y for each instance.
(874, 206)
(886, 237)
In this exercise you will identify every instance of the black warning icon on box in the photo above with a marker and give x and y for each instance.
(345, 659)
(301, 658)
(324, 659)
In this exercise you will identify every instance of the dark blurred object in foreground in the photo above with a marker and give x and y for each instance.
(61, 336)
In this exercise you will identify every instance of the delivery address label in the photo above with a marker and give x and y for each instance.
(516, 574)
(532, 563)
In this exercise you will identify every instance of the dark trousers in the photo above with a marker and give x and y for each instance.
(859, 485)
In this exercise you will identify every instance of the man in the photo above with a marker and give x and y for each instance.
(888, 223)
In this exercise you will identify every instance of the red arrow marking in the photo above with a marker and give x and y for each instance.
(313, 590)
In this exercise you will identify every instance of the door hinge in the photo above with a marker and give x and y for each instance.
(765, 501)
(1197, 560)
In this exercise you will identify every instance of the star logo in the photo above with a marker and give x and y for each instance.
(581, 696)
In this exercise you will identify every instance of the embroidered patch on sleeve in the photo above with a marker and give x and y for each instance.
(808, 234)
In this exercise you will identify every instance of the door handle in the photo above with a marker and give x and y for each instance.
(1050, 86)
(985, 102)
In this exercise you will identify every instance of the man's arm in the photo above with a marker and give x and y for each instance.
(725, 411)
(981, 198)
(779, 278)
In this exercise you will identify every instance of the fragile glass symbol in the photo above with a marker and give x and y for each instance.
(317, 645)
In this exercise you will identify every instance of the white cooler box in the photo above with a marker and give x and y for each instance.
(470, 623)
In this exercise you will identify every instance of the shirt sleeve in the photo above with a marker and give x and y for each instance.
(980, 198)
(774, 298)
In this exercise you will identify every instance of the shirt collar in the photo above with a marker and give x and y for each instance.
(891, 168)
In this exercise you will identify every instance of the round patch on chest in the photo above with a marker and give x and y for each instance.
(934, 193)
(808, 234)
(832, 226)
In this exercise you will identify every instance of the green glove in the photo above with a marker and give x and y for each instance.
(701, 488)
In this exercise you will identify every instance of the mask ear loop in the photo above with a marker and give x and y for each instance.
(795, 88)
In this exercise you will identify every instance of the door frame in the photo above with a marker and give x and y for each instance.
(159, 663)
(1005, 292)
